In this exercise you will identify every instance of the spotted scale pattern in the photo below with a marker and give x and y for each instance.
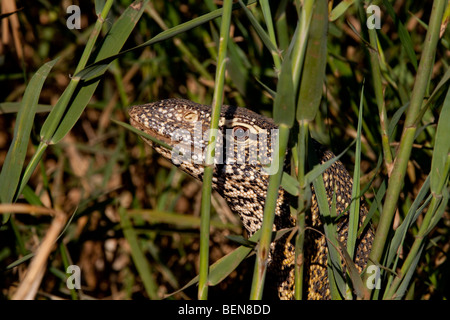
(240, 178)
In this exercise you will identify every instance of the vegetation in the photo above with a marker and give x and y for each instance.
(77, 188)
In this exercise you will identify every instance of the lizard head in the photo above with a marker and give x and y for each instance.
(243, 154)
(244, 139)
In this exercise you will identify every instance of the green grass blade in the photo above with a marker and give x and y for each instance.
(142, 134)
(439, 90)
(284, 104)
(309, 97)
(265, 7)
(55, 115)
(220, 269)
(334, 259)
(271, 92)
(299, 41)
(357, 283)
(281, 25)
(82, 96)
(440, 210)
(303, 201)
(242, 241)
(54, 118)
(441, 148)
(407, 139)
(114, 41)
(290, 184)
(99, 67)
(260, 269)
(313, 73)
(266, 39)
(340, 9)
(284, 114)
(405, 38)
(20, 261)
(353, 222)
(437, 205)
(377, 63)
(440, 163)
(14, 107)
(376, 204)
(395, 119)
(99, 6)
(405, 283)
(413, 213)
(138, 256)
(210, 151)
(318, 169)
(15, 158)
(181, 220)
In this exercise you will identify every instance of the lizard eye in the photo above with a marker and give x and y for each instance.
(240, 133)
(190, 116)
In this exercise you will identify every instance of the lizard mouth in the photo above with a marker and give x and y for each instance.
(163, 142)
(150, 131)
